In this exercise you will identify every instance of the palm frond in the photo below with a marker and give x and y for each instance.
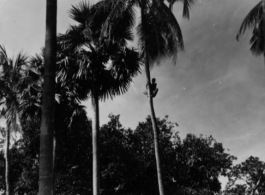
(171, 32)
(72, 39)
(187, 5)
(114, 16)
(257, 40)
(117, 78)
(253, 19)
(81, 12)
(162, 33)
(30, 107)
(21, 60)
(3, 52)
(77, 110)
(30, 88)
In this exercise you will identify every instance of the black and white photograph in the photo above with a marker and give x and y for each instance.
(132, 97)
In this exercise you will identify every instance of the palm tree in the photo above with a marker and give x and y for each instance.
(67, 93)
(159, 37)
(107, 66)
(150, 57)
(47, 119)
(68, 97)
(255, 20)
(11, 73)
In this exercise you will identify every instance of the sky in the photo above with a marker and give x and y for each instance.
(217, 87)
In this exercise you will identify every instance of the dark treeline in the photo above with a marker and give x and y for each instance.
(191, 165)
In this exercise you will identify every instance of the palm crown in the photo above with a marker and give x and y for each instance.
(68, 94)
(12, 71)
(161, 30)
(254, 21)
(106, 63)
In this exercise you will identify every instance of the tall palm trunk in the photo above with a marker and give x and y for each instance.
(153, 117)
(7, 192)
(156, 136)
(47, 120)
(263, 2)
(95, 141)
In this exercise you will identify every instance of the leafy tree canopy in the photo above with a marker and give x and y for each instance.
(247, 177)
(200, 161)
(127, 159)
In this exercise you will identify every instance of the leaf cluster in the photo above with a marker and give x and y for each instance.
(201, 160)
(247, 177)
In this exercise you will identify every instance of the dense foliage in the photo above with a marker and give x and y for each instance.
(127, 159)
(247, 178)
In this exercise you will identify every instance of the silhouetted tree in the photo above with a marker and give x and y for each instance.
(11, 74)
(106, 66)
(247, 177)
(159, 37)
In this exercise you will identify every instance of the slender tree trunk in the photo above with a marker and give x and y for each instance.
(263, 2)
(95, 141)
(7, 192)
(156, 135)
(47, 120)
(153, 117)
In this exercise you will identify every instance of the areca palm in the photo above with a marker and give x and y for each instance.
(11, 73)
(107, 65)
(67, 93)
(255, 20)
(68, 96)
(31, 92)
(159, 37)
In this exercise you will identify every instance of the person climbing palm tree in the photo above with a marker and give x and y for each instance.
(153, 88)
(159, 37)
